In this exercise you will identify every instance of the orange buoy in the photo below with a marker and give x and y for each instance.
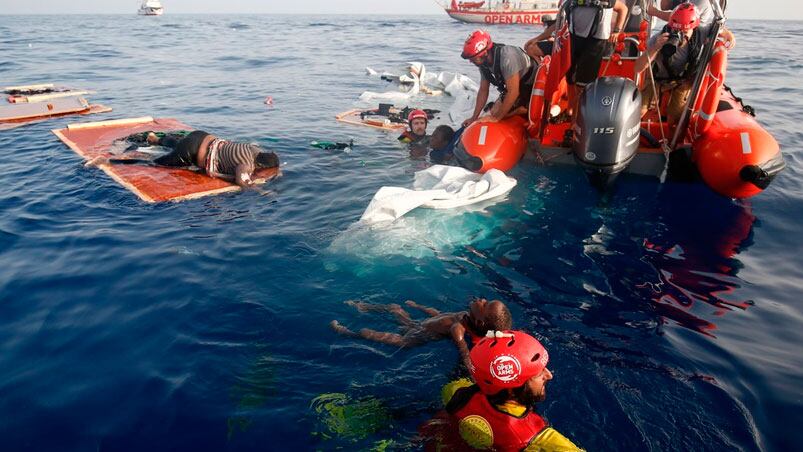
(499, 145)
(536, 109)
(736, 157)
(710, 90)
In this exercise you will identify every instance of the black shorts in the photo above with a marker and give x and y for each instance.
(185, 150)
(587, 56)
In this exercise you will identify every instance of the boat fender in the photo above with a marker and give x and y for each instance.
(762, 175)
(708, 97)
(536, 110)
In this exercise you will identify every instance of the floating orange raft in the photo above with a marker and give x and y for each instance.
(365, 118)
(151, 184)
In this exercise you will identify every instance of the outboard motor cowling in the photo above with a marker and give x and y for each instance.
(606, 131)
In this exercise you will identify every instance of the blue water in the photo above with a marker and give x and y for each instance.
(673, 316)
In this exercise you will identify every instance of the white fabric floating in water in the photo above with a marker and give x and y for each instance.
(416, 75)
(437, 187)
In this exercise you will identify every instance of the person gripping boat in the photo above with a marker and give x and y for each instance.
(506, 67)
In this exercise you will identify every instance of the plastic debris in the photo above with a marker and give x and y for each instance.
(330, 145)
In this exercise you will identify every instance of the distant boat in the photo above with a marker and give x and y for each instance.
(503, 12)
(151, 8)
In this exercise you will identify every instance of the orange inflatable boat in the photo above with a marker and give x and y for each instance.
(717, 139)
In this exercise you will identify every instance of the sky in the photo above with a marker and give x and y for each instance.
(737, 9)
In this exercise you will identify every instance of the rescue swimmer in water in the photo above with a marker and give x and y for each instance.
(497, 411)
(416, 136)
(482, 316)
(227, 160)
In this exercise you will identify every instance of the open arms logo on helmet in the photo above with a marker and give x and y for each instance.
(506, 368)
(506, 359)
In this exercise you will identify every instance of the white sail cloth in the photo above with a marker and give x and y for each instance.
(437, 187)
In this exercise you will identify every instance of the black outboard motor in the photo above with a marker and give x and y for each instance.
(606, 132)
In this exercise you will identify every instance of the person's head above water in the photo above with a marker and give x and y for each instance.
(266, 160)
(476, 47)
(487, 316)
(441, 137)
(417, 120)
(511, 365)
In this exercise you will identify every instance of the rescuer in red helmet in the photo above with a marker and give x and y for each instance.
(667, 6)
(672, 55)
(416, 136)
(506, 67)
(510, 375)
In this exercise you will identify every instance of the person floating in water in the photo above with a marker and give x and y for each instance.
(228, 160)
(482, 316)
(442, 144)
(497, 410)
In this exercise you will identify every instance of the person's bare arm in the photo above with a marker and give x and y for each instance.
(458, 332)
(621, 18)
(646, 58)
(432, 312)
(659, 13)
(482, 98)
(543, 35)
(242, 176)
(511, 97)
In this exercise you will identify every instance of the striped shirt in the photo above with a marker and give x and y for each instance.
(231, 154)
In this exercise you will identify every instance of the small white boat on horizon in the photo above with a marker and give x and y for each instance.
(151, 8)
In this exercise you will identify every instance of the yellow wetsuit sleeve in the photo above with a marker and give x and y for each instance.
(550, 440)
(450, 388)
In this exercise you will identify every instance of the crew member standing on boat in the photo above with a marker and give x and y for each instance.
(506, 67)
(673, 54)
(590, 23)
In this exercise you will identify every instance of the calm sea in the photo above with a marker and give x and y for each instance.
(672, 316)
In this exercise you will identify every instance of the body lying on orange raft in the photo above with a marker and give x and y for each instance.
(222, 159)
(703, 133)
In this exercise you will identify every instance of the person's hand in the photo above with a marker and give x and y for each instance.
(660, 42)
(614, 36)
(468, 121)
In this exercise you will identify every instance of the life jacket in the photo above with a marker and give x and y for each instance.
(494, 74)
(413, 139)
(695, 49)
(485, 426)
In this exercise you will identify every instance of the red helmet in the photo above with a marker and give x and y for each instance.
(684, 17)
(416, 114)
(506, 360)
(477, 43)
